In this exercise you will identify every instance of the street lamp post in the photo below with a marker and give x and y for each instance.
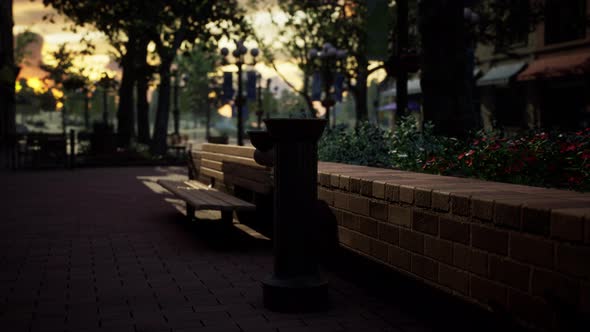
(105, 84)
(330, 57)
(239, 54)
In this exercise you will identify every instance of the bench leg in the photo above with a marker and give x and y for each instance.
(190, 212)
(227, 217)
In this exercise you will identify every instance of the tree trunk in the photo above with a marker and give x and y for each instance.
(143, 121)
(401, 85)
(8, 72)
(360, 92)
(443, 66)
(162, 114)
(125, 116)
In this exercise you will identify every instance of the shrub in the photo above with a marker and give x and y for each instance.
(538, 158)
(366, 145)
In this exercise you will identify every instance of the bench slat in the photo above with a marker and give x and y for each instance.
(205, 198)
(232, 150)
(223, 157)
(175, 188)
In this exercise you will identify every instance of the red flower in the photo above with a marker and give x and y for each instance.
(461, 156)
(567, 147)
(586, 155)
(494, 147)
(476, 142)
(530, 159)
(574, 180)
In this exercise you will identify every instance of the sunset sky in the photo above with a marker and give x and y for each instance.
(29, 15)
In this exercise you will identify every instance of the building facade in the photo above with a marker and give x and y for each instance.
(538, 79)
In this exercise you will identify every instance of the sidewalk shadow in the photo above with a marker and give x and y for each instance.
(220, 236)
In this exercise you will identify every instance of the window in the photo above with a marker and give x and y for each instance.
(565, 20)
(513, 25)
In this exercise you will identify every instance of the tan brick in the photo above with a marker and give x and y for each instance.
(358, 204)
(406, 194)
(454, 230)
(355, 185)
(366, 187)
(424, 222)
(478, 262)
(535, 220)
(368, 226)
(510, 273)
(574, 260)
(489, 293)
(440, 201)
(399, 257)
(529, 309)
(531, 249)
(324, 179)
(388, 233)
(379, 250)
(338, 214)
(378, 210)
(489, 239)
(344, 183)
(379, 189)
(507, 213)
(460, 204)
(351, 221)
(392, 192)
(326, 196)
(553, 285)
(425, 267)
(482, 209)
(400, 215)
(453, 278)
(361, 242)
(470, 260)
(440, 250)
(422, 197)
(334, 180)
(567, 226)
(345, 236)
(341, 200)
(411, 240)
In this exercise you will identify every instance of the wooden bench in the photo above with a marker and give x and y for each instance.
(199, 197)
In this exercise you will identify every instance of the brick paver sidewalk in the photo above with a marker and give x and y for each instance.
(100, 250)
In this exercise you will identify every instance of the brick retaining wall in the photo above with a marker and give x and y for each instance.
(513, 248)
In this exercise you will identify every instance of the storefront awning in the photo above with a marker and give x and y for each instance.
(414, 87)
(557, 66)
(501, 74)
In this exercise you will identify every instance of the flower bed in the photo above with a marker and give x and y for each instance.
(557, 159)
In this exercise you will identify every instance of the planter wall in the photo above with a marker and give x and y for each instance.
(516, 249)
